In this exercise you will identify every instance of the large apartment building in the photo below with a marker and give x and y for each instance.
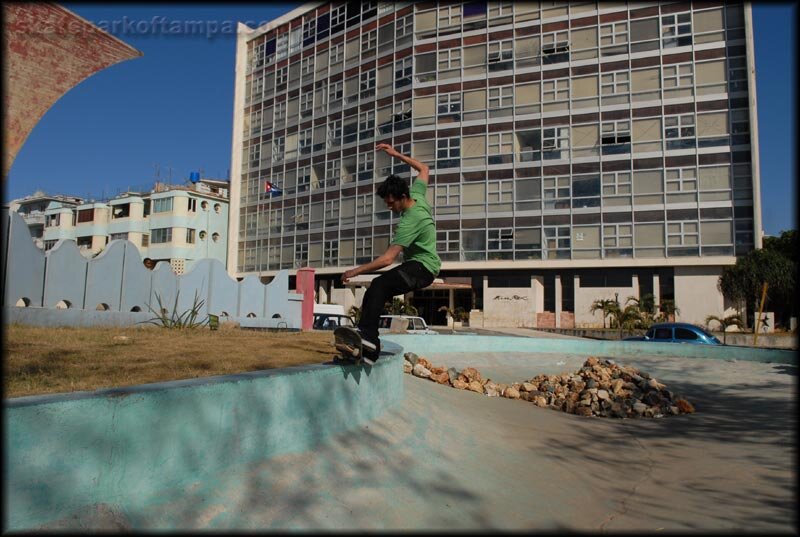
(174, 223)
(578, 150)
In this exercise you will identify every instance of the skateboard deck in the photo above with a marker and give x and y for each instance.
(348, 342)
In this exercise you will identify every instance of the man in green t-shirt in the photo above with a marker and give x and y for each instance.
(415, 236)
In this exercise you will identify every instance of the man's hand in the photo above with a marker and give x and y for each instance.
(349, 274)
(389, 150)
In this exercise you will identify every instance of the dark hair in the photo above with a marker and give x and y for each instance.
(393, 186)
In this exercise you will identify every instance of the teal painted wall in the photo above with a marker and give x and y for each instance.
(133, 447)
(421, 344)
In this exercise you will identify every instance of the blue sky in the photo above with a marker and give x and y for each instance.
(170, 112)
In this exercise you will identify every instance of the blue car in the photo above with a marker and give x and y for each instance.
(677, 333)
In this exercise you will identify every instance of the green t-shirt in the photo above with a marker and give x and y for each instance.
(416, 231)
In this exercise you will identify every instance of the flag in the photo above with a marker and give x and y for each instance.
(272, 189)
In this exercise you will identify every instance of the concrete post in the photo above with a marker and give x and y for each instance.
(557, 284)
(656, 290)
(305, 285)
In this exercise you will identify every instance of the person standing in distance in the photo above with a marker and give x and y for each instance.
(415, 236)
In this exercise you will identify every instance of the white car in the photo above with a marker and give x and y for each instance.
(416, 325)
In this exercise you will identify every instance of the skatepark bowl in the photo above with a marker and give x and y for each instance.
(338, 447)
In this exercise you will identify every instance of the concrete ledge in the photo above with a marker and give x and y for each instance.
(421, 344)
(127, 448)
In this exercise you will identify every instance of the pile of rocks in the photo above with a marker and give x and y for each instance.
(599, 388)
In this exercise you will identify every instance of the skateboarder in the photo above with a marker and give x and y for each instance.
(415, 236)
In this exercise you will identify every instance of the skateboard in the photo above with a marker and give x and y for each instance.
(348, 342)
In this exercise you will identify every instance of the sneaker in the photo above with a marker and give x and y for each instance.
(371, 352)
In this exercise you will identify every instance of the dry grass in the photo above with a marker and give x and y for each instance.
(58, 360)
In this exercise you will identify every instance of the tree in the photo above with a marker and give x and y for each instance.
(605, 306)
(355, 313)
(646, 305)
(725, 322)
(668, 310)
(742, 283)
(399, 307)
(626, 318)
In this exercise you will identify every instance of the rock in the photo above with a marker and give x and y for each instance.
(639, 408)
(407, 367)
(421, 371)
(511, 393)
(591, 361)
(502, 387)
(460, 384)
(492, 392)
(437, 370)
(591, 383)
(471, 374)
(452, 373)
(602, 395)
(425, 363)
(540, 401)
(616, 386)
(528, 387)
(411, 357)
(684, 406)
(653, 383)
(583, 411)
(475, 386)
(674, 410)
(440, 377)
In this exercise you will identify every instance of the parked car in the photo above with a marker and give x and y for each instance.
(416, 325)
(677, 333)
(331, 321)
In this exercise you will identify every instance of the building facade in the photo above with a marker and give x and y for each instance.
(578, 150)
(178, 224)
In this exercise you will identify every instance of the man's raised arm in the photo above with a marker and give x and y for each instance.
(422, 169)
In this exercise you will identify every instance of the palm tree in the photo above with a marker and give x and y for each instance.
(647, 307)
(399, 307)
(725, 322)
(626, 318)
(668, 310)
(604, 305)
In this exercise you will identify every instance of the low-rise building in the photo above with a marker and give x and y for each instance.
(174, 223)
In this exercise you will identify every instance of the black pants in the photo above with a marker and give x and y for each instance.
(409, 276)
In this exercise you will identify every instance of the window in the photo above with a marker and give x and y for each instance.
(615, 136)
(449, 105)
(681, 179)
(365, 165)
(280, 111)
(331, 210)
(306, 104)
(449, 16)
(684, 233)
(615, 83)
(555, 47)
(501, 97)
(338, 15)
(501, 148)
(556, 192)
(500, 239)
(364, 204)
(616, 183)
(676, 30)
(161, 235)
(500, 194)
(192, 202)
(333, 169)
(309, 29)
(554, 140)
(404, 26)
(281, 75)
(369, 41)
(162, 205)
(335, 92)
(501, 55)
(402, 72)
(555, 94)
(447, 198)
(331, 249)
(616, 237)
(145, 240)
(119, 236)
(678, 80)
(303, 178)
(257, 59)
(337, 53)
(679, 131)
(307, 65)
(450, 59)
(189, 236)
(556, 242)
(85, 215)
(53, 220)
(366, 124)
(304, 141)
(448, 152)
(367, 80)
(278, 148)
(614, 38)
